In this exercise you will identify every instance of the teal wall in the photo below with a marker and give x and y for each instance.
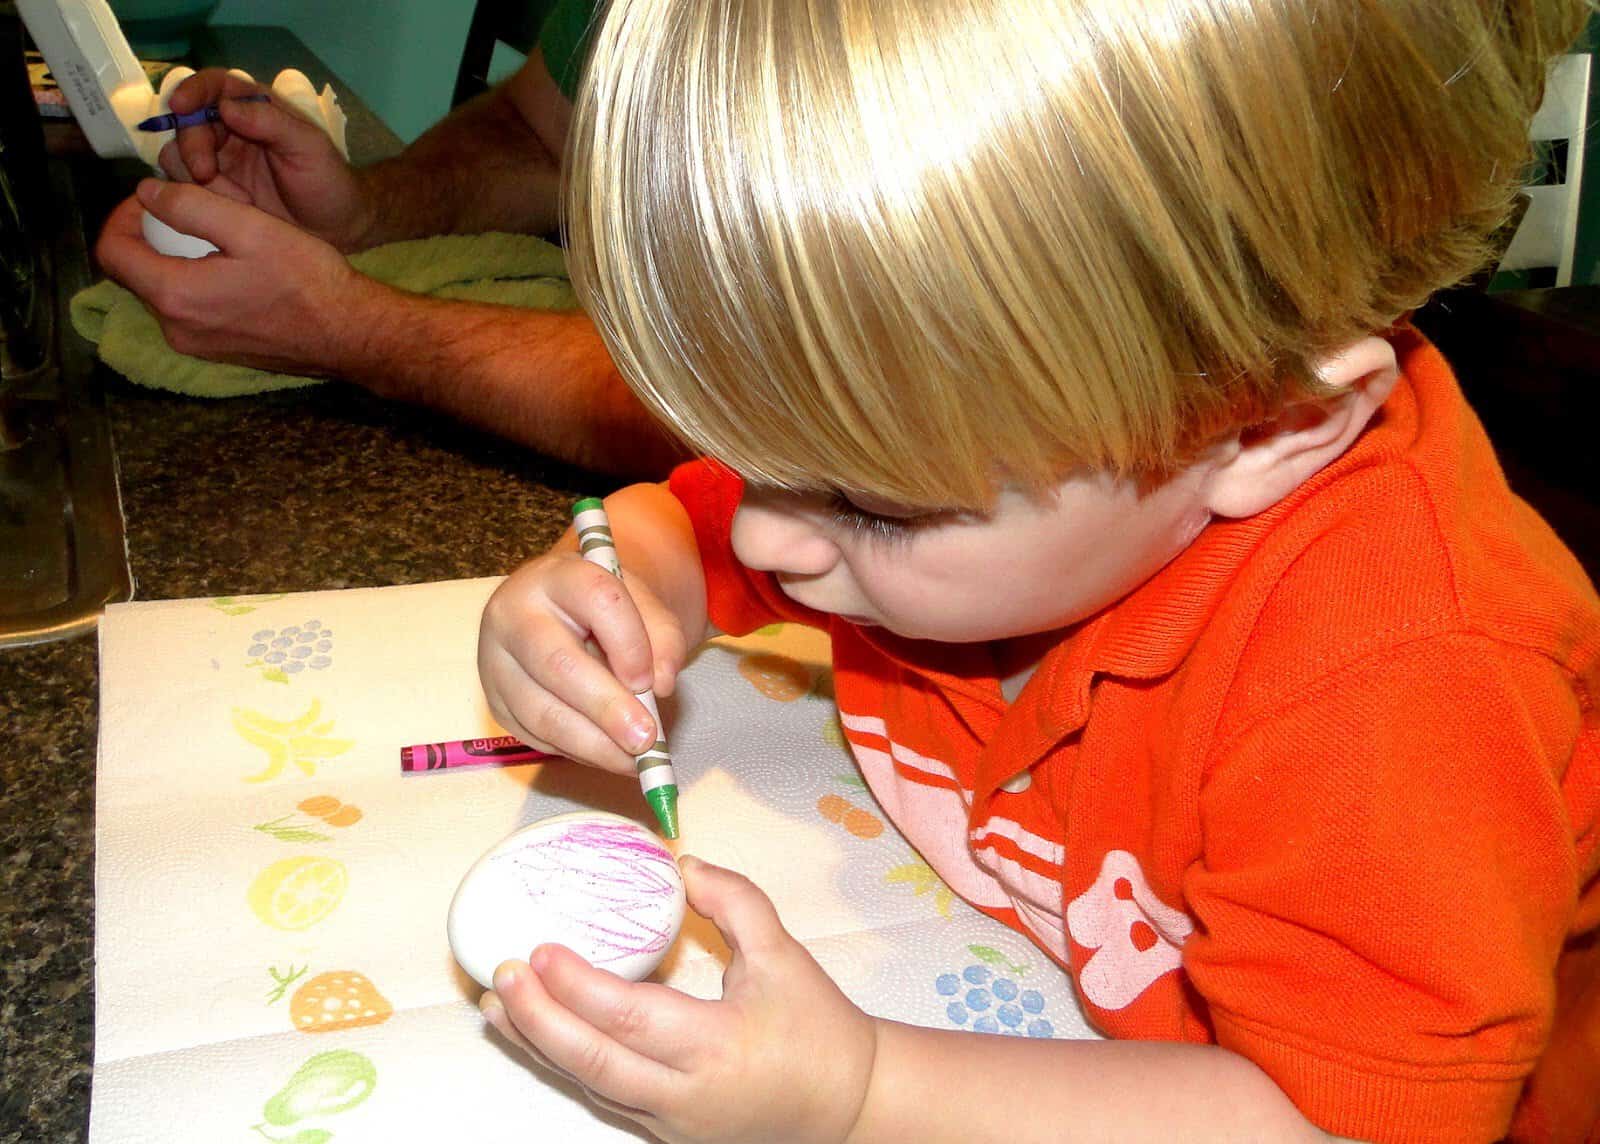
(400, 56)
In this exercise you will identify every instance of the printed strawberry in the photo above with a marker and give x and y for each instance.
(339, 1000)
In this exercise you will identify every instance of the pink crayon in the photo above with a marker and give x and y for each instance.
(501, 751)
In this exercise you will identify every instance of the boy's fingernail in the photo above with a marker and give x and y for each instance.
(539, 960)
(641, 733)
(489, 1005)
(147, 190)
(505, 978)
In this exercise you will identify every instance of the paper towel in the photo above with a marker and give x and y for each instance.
(216, 727)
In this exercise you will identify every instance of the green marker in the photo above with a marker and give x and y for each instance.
(656, 779)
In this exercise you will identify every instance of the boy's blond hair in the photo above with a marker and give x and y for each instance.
(913, 247)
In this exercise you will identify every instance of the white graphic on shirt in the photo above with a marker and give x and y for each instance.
(1135, 936)
(934, 819)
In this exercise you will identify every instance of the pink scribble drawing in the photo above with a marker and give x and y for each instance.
(606, 879)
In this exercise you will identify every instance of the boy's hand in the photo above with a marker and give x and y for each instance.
(783, 1055)
(541, 680)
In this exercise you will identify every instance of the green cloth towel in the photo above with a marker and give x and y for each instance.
(509, 269)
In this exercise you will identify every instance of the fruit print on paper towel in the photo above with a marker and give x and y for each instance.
(859, 822)
(777, 676)
(297, 893)
(321, 809)
(343, 999)
(303, 741)
(325, 1085)
(287, 652)
(922, 880)
(987, 998)
(243, 605)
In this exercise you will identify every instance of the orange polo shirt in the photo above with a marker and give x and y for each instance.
(1325, 790)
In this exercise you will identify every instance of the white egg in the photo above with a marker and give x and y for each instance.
(174, 242)
(597, 883)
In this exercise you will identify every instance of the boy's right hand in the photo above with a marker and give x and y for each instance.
(544, 683)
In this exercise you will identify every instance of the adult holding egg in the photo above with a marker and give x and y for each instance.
(287, 209)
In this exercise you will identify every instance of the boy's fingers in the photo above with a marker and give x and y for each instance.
(668, 647)
(743, 914)
(576, 682)
(572, 1045)
(542, 720)
(494, 1012)
(652, 1020)
(599, 601)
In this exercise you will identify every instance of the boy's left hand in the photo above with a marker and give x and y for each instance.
(784, 1054)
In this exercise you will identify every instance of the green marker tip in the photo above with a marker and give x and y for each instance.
(586, 504)
(664, 801)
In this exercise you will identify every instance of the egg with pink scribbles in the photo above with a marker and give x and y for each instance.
(597, 883)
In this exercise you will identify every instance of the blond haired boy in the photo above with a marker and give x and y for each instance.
(1054, 358)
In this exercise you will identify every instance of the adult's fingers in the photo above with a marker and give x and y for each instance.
(231, 225)
(123, 253)
(197, 146)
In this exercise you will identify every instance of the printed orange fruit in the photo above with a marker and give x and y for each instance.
(834, 808)
(345, 815)
(862, 823)
(339, 1000)
(776, 676)
(319, 805)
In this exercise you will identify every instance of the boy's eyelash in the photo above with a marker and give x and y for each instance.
(863, 523)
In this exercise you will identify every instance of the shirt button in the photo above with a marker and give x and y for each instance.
(1018, 782)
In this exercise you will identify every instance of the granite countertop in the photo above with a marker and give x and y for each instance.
(319, 488)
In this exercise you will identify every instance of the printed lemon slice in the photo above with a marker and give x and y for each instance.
(297, 893)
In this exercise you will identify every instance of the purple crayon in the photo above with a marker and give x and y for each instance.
(501, 751)
(211, 113)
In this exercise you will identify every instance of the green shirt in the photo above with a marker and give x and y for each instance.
(564, 41)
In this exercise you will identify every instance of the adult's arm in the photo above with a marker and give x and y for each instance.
(281, 298)
(494, 163)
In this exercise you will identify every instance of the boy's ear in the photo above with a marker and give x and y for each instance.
(1262, 464)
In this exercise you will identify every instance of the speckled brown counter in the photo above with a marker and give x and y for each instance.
(311, 489)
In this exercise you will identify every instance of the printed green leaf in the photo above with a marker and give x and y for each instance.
(997, 959)
(293, 833)
(853, 781)
(273, 675)
(284, 980)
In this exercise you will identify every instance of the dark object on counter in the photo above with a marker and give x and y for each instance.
(1529, 363)
(62, 554)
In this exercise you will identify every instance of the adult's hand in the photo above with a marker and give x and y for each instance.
(267, 155)
(272, 296)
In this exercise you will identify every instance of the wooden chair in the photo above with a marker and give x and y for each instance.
(515, 23)
(1546, 239)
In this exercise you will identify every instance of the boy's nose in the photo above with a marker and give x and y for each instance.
(772, 534)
